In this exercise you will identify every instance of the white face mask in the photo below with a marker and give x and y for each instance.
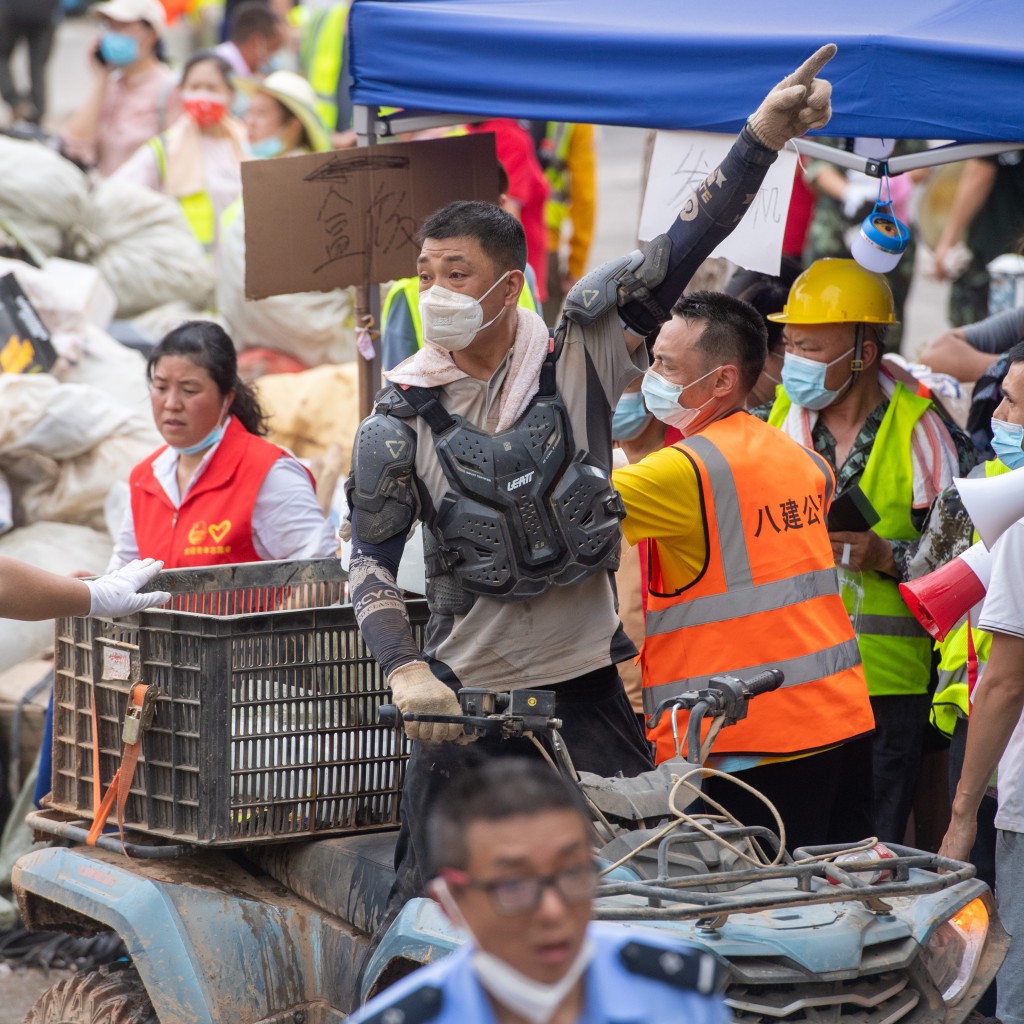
(534, 1000)
(662, 399)
(451, 320)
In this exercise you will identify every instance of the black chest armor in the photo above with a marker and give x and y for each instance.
(525, 510)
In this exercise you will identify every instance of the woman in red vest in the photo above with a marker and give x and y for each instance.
(217, 493)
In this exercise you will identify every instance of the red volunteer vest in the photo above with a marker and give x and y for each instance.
(213, 526)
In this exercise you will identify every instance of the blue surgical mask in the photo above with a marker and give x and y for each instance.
(662, 399)
(630, 417)
(266, 148)
(207, 442)
(804, 380)
(1008, 443)
(119, 49)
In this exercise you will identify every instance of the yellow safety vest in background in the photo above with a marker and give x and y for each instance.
(320, 58)
(951, 700)
(198, 208)
(896, 651)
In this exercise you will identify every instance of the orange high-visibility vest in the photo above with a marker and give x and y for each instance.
(767, 597)
(213, 525)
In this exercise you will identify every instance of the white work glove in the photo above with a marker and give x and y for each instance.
(416, 690)
(857, 195)
(115, 594)
(797, 104)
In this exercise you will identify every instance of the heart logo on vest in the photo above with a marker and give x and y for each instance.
(218, 531)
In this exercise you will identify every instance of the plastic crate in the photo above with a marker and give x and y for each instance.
(265, 727)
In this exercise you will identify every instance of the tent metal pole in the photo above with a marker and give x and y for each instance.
(902, 164)
(367, 298)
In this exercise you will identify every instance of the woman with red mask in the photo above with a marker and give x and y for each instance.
(198, 159)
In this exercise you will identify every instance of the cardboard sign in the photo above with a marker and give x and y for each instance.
(24, 341)
(328, 220)
(680, 163)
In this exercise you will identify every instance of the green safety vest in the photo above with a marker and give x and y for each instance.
(320, 58)
(557, 139)
(198, 208)
(951, 700)
(410, 288)
(896, 651)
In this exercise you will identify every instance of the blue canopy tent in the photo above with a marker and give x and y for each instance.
(923, 69)
(934, 69)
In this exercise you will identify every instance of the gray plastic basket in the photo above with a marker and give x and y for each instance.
(265, 727)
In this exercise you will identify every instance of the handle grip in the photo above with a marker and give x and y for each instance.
(764, 682)
(388, 714)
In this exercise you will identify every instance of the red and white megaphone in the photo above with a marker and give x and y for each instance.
(994, 503)
(941, 599)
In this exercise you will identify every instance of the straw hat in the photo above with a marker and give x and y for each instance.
(294, 93)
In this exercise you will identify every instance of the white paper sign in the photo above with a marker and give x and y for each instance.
(681, 162)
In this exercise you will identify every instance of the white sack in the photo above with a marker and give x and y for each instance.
(315, 327)
(42, 195)
(142, 244)
(56, 547)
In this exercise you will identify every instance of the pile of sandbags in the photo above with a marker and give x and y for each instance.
(314, 327)
(141, 243)
(42, 195)
(138, 239)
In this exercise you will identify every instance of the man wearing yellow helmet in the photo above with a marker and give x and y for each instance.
(838, 398)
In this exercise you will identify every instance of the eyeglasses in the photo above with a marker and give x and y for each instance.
(510, 896)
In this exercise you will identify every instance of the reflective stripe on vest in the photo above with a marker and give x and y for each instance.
(320, 59)
(951, 700)
(409, 287)
(763, 600)
(895, 650)
(198, 208)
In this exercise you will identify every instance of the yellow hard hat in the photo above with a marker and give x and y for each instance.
(837, 292)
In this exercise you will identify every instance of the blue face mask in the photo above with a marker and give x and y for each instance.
(630, 417)
(804, 380)
(662, 398)
(207, 442)
(1008, 442)
(119, 49)
(266, 148)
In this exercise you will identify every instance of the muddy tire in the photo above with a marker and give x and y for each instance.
(113, 994)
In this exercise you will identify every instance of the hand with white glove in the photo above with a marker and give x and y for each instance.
(115, 594)
(416, 690)
(797, 104)
(857, 195)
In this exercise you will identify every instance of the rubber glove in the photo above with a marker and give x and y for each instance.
(116, 594)
(797, 104)
(416, 690)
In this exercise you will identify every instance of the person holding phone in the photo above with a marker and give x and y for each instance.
(840, 400)
(133, 96)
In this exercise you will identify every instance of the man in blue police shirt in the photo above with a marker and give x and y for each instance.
(514, 868)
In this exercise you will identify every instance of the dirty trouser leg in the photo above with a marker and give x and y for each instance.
(1010, 900)
(600, 731)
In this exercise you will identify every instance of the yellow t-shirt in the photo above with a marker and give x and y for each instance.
(662, 499)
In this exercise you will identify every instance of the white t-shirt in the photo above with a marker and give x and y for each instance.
(287, 522)
(1003, 612)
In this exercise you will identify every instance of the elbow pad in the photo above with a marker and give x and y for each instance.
(382, 482)
(626, 283)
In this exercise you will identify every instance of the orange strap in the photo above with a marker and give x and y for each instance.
(121, 784)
